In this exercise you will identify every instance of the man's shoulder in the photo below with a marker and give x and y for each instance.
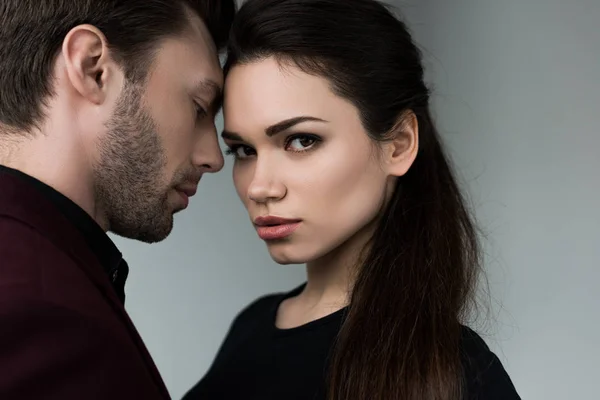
(23, 244)
(65, 342)
(35, 268)
(25, 254)
(23, 238)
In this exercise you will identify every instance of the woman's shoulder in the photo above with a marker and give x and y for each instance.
(485, 376)
(263, 308)
(259, 307)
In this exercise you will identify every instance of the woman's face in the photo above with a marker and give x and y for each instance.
(302, 154)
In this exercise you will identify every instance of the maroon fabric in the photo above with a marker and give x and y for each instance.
(64, 334)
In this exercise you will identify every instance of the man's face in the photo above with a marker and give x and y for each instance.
(160, 139)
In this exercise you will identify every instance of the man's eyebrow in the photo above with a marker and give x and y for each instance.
(213, 90)
(208, 86)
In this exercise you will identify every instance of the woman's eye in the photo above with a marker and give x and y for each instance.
(301, 142)
(240, 152)
(296, 143)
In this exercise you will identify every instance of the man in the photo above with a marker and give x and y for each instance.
(106, 124)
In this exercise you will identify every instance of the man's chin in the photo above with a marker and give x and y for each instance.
(178, 209)
(147, 234)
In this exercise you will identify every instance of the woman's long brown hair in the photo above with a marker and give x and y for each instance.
(401, 334)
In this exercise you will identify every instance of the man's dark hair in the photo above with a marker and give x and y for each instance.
(32, 33)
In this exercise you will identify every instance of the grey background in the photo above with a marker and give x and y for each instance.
(517, 98)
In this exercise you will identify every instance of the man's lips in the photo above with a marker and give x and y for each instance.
(189, 191)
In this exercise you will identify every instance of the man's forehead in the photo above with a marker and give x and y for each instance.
(194, 54)
(203, 44)
(189, 56)
(198, 30)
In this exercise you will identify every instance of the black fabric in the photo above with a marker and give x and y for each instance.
(99, 242)
(259, 361)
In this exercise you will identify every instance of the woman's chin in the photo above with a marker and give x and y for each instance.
(285, 258)
(289, 254)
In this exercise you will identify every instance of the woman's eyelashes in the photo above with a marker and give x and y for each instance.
(301, 142)
(297, 143)
(240, 151)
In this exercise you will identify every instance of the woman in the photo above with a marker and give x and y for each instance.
(340, 167)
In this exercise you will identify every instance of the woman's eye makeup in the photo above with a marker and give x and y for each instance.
(297, 143)
(301, 142)
(239, 151)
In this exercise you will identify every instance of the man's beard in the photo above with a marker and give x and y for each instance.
(128, 179)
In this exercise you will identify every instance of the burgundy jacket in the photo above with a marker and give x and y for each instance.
(64, 333)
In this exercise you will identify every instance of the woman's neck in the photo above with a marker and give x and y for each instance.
(329, 284)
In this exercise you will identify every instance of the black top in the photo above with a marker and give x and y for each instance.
(99, 242)
(260, 361)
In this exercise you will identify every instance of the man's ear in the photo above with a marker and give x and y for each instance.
(401, 150)
(88, 62)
